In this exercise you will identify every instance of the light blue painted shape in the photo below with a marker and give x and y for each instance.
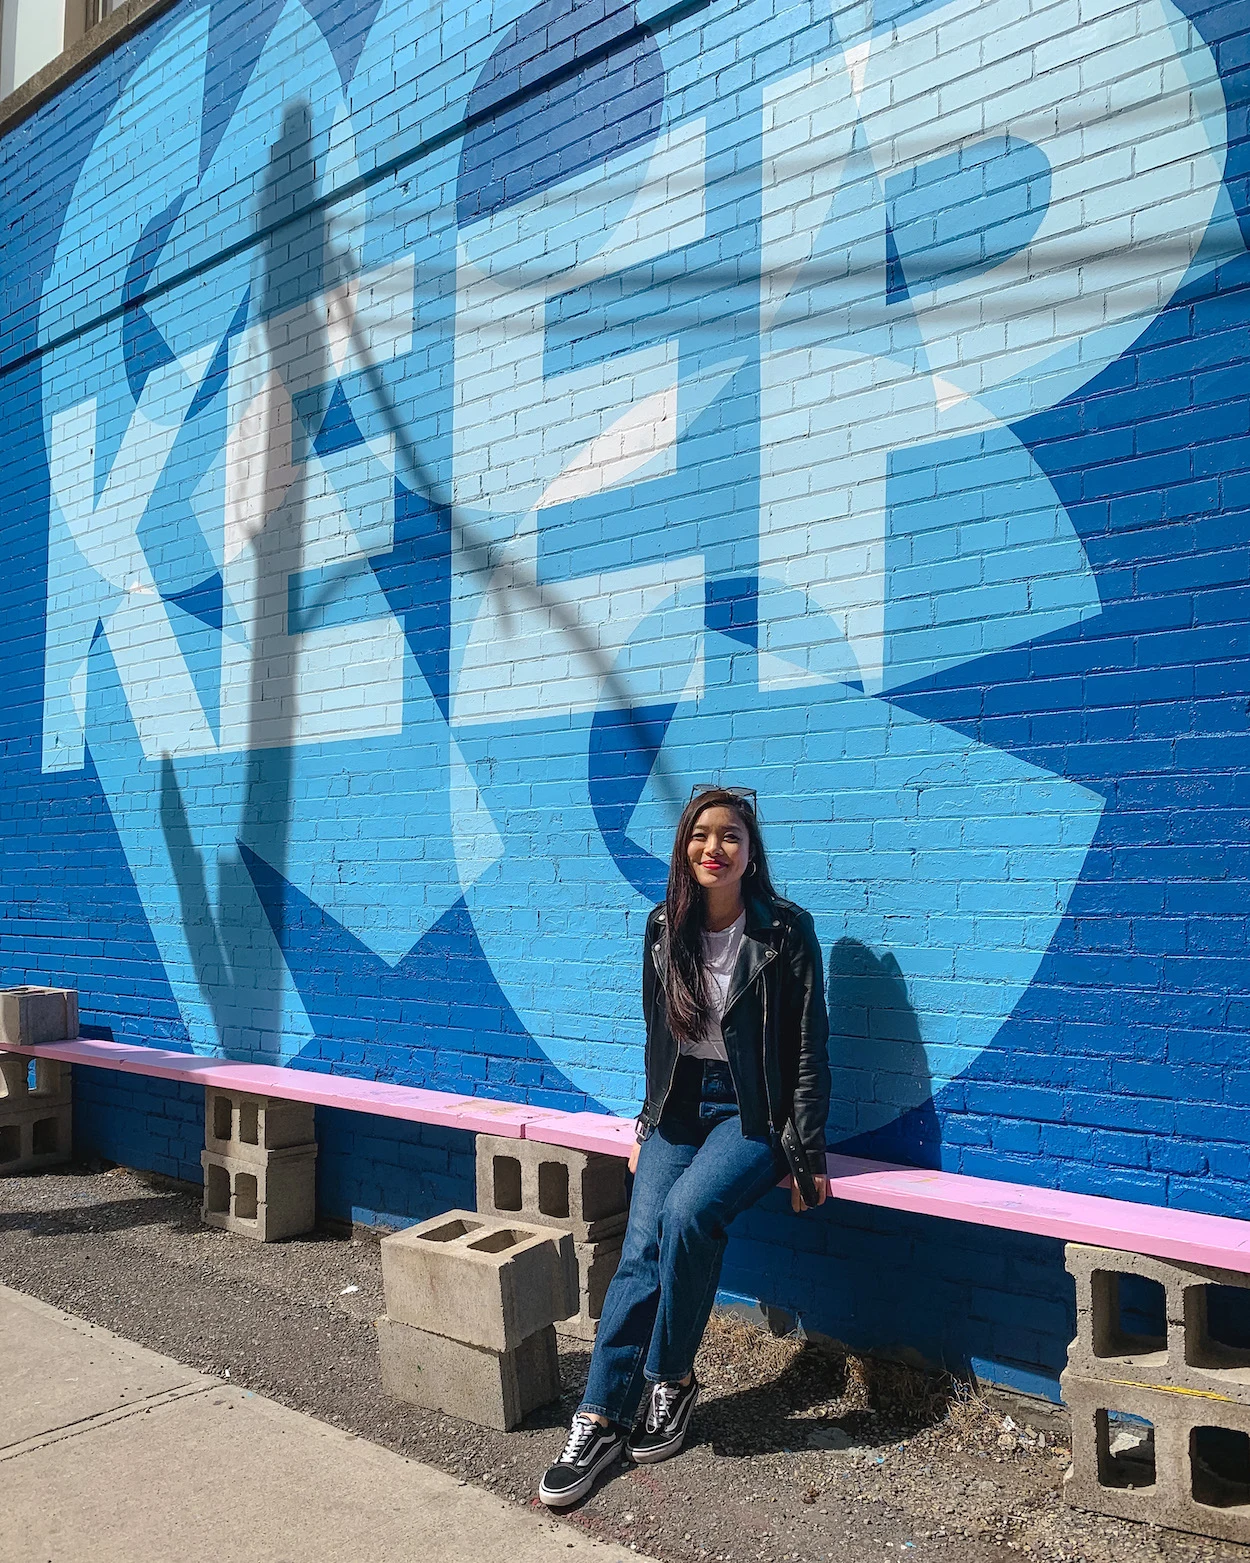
(980, 555)
(200, 645)
(560, 926)
(145, 157)
(336, 594)
(240, 192)
(947, 855)
(179, 823)
(370, 827)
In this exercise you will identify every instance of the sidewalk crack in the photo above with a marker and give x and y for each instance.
(88, 1424)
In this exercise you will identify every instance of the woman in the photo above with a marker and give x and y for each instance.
(737, 1032)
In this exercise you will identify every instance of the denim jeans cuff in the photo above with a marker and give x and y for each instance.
(602, 1411)
(665, 1378)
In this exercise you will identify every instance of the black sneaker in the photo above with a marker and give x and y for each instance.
(588, 1450)
(668, 1417)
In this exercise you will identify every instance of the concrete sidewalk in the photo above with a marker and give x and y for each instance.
(114, 1454)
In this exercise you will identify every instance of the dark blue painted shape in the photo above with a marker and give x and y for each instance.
(612, 103)
(1112, 1074)
(963, 213)
(144, 349)
(345, 24)
(895, 280)
(331, 595)
(203, 601)
(416, 577)
(339, 429)
(731, 607)
(219, 370)
(236, 39)
(388, 1172)
(438, 1019)
(623, 750)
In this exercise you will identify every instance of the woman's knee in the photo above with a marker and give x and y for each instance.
(685, 1220)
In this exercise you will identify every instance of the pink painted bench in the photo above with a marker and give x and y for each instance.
(1192, 1238)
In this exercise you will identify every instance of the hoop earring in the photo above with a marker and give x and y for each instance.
(752, 867)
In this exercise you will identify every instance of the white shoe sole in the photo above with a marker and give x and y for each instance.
(565, 1497)
(665, 1451)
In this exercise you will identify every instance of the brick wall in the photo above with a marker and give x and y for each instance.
(434, 443)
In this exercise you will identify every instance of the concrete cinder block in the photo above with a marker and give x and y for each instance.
(1187, 1354)
(1189, 1470)
(492, 1388)
(266, 1200)
(249, 1127)
(52, 1085)
(14, 1078)
(484, 1281)
(34, 1134)
(596, 1265)
(31, 1015)
(579, 1191)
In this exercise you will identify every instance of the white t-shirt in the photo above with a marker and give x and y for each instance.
(720, 954)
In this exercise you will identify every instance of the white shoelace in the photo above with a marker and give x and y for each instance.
(663, 1398)
(581, 1432)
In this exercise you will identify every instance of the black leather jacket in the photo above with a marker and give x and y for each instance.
(775, 1025)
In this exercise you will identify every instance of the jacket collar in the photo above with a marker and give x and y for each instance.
(759, 945)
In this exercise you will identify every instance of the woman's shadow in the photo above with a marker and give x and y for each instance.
(880, 1068)
(821, 1399)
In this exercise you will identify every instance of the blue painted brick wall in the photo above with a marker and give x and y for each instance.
(829, 435)
(156, 1125)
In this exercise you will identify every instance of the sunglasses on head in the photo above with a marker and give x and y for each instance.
(743, 795)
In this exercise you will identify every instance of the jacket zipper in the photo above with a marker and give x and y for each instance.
(768, 1101)
(770, 956)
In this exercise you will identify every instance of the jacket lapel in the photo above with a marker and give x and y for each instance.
(659, 947)
(754, 953)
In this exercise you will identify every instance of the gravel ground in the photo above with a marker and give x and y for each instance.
(795, 1454)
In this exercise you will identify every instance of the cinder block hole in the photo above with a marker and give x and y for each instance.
(249, 1123)
(44, 1077)
(1126, 1450)
(451, 1231)
(553, 1188)
(1218, 1332)
(217, 1191)
(10, 1142)
(45, 1137)
(495, 1242)
(1130, 1314)
(223, 1117)
(506, 1178)
(245, 1196)
(1219, 1465)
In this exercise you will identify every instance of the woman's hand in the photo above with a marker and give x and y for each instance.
(633, 1157)
(822, 1193)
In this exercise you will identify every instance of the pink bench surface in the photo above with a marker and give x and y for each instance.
(477, 1114)
(1219, 1241)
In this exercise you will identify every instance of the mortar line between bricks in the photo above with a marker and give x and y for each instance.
(88, 1424)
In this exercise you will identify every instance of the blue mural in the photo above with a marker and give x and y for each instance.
(467, 429)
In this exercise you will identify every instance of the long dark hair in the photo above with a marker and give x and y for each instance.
(685, 985)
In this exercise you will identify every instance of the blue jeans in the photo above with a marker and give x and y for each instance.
(696, 1172)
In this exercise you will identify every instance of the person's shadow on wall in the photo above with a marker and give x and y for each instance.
(877, 1056)
(239, 970)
